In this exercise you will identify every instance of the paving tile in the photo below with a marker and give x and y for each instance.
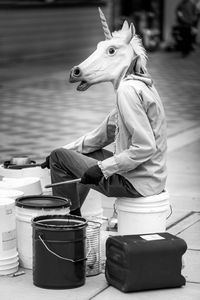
(184, 224)
(187, 202)
(183, 180)
(184, 138)
(189, 230)
(22, 288)
(175, 216)
(191, 271)
(191, 235)
(188, 292)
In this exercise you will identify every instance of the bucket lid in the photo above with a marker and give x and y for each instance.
(42, 201)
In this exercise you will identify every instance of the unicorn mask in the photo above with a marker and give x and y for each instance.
(120, 53)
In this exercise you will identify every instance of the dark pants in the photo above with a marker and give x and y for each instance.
(186, 39)
(68, 164)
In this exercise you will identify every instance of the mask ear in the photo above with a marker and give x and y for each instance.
(125, 26)
(130, 34)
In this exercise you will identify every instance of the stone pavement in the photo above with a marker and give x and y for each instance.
(41, 111)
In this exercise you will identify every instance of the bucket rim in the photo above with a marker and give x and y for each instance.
(59, 203)
(162, 197)
(38, 221)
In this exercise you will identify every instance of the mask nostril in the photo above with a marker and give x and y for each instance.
(77, 72)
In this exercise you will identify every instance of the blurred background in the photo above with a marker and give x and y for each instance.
(40, 40)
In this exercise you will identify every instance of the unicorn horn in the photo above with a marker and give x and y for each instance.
(105, 25)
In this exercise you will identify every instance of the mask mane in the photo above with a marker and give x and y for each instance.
(136, 44)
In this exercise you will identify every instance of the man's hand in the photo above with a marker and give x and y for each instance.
(92, 176)
(46, 163)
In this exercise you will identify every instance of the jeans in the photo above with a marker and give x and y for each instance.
(68, 164)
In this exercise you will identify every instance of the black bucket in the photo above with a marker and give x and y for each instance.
(59, 251)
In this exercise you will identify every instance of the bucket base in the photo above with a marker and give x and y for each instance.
(64, 287)
(9, 271)
(8, 267)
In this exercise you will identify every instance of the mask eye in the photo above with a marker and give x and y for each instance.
(111, 51)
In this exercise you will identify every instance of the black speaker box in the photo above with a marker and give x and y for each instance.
(146, 261)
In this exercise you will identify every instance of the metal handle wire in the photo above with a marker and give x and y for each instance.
(59, 256)
(171, 211)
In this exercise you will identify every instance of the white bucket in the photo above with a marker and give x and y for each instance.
(9, 269)
(9, 265)
(27, 185)
(9, 260)
(43, 174)
(92, 206)
(28, 208)
(108, 205)
(13, 194)
(104, 235)
(8, 252)
(142, 215)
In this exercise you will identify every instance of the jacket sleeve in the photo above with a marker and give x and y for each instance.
(142, 141)
(98, 138)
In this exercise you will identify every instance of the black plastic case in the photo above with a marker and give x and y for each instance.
(142, 262)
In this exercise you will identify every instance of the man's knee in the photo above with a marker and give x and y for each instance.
(58, 154)
(55, 153)
(61, 154)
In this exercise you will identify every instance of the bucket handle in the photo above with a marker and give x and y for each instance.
(171, 211)
(57, 255)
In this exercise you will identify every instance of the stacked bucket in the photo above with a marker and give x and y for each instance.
(9, 260)
(10, 190)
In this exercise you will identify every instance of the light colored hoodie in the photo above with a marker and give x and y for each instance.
(137, 127)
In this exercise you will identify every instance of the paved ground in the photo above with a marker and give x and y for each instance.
(40, 110)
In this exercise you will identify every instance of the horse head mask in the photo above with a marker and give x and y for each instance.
(119, 54)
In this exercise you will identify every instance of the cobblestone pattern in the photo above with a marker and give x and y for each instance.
(39, 114)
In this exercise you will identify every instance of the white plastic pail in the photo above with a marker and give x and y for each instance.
(8, 252)
(108, 205)
(13, 194)
(27, 185)
(28, 208)
(142, 215)
(9, 266)
(9, 260)
(92, 206)
(43, 174)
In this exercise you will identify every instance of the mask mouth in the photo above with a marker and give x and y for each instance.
(83, 86)
(75, 76)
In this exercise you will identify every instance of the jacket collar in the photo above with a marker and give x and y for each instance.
(142, 77)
